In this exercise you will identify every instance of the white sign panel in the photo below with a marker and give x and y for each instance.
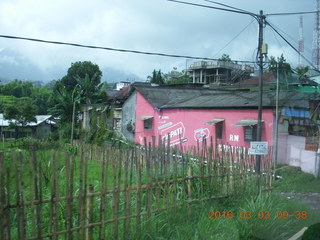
(258, 148)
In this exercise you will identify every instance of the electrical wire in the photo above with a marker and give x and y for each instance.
(292, 13)
(216, 8)
(234, 38)
(225, 5)
(294, 48)
(112, 49)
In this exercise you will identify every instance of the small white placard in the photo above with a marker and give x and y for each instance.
(258, 148)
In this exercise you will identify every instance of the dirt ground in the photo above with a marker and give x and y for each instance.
(312, 200)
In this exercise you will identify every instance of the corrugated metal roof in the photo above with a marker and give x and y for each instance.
(245, 123)
(208, 98)
(214, 121)
(39, 119)
(144, 118)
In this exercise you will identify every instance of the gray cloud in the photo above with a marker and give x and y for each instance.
(155, 26)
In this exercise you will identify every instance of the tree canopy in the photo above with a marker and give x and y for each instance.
(81, 70)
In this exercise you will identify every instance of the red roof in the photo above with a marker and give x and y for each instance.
(267, 78)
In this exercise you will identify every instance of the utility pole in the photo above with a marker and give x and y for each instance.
(261, 20)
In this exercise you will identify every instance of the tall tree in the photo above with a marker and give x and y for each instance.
(225, 57)
(177, 77)
(280, 65)
(157, 77)
(81, 70)
(20, 113)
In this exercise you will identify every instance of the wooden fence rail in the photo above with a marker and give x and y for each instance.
(101, 193)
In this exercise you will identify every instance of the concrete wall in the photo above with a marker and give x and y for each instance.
(298, 156)
(291, 150)
(128, 117)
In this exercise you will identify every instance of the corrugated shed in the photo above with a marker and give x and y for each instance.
(39, 118)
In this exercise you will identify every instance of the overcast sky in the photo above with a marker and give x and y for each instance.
(143, 25)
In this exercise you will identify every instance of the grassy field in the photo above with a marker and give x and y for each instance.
(245, 216)
(294, 180)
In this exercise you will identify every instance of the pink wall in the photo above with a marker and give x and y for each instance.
(190, 124)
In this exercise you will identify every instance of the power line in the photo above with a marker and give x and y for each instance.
(112, 49)
(216, 8)
(295, 49)
(225, 5)
(287, 14)
(234, 38)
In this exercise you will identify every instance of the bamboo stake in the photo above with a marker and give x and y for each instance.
(53, 195)
(18, 202)
(167, 173)
(2, 197)
(69, 198)
(89, 232)
(32, 195)
(7, 212)
(138, 201)
(22, 199)
(126, 232)
(149, 189)
(85, 192)
(103, 197)
(81, 194)
(38, 193)
(190, 174)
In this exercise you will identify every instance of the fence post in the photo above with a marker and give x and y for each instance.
(190, 175)
(90, 212)
(2, 196)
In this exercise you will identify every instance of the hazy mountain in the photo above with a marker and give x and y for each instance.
(13, 65)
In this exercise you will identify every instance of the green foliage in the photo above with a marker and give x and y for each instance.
(62, 103)
(40, 96)
(157, 77)
(280, 66)
(176, 77)
(294, 180)
(81, 85)
(312, 233)
(225, 57)
(21, 111)
(81, 70)
(98, 133)
(17, 88)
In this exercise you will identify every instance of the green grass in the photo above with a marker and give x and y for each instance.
(192, 221)
(294, 180)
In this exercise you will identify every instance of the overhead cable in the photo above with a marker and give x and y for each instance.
(292, 13)
(225, 5)
(216, 8)
(294, 48)
(112, 49)
(234, 38)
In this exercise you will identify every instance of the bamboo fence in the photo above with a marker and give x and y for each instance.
(108, 193)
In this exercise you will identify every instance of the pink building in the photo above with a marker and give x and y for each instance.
(229, 117)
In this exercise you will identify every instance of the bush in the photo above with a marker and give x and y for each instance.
(312, 233)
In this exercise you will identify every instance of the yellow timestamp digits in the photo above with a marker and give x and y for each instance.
(258, 215)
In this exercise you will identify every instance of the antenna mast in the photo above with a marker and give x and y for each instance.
(301, 40)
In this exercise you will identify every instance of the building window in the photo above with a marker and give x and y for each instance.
(147, 123)
(219, 130)
(250, 133)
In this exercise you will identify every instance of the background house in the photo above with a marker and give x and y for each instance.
(40, 129)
